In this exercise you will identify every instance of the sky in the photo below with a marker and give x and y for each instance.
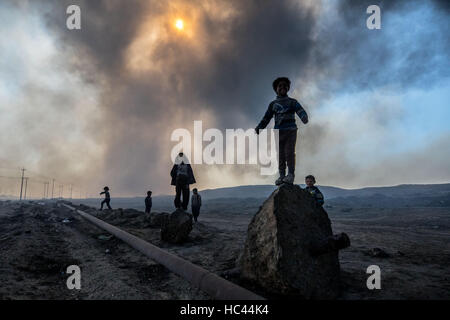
(97, 106)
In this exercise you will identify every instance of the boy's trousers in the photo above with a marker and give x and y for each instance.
(286, 149)
(107, 201)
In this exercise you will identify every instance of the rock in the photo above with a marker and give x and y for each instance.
(290, 248)
(232, 273)
(105, 237)
(377, 253)
(83, 207)
(176, 227)
(132, 213)
(332, 243)
(156, 218)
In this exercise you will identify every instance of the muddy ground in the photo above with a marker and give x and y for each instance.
(39, 240)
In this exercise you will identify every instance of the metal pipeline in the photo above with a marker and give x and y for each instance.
(215, 286)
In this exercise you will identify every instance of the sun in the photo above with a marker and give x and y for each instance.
(179, 24)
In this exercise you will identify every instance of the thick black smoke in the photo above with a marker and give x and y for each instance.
(223, 74)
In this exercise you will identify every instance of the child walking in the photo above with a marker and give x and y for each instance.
(107, 198)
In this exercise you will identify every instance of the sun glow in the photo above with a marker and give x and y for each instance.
(177, 27)
(179, 24)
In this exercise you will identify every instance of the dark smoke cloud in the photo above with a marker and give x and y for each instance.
(223, 75)
(366, 59)
(260, 42)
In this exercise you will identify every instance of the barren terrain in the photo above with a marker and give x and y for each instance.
(39, 239)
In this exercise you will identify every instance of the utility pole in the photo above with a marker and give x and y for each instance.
(21, 184)
(62, 191)
(45, 190)
(53, 187)
(71, 188)
(26, 184)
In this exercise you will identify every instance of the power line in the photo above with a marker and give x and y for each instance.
(40, 179)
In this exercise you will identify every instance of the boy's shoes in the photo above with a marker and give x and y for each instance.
(279, 180)
(289, 178)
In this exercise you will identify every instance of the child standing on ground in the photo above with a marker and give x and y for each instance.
(107, 198)
(148, 202)
(196, 203)
(313, 190)
(284, 109)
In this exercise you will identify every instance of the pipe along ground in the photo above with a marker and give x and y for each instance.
(215, 286)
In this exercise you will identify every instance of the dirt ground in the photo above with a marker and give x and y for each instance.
(39, 240)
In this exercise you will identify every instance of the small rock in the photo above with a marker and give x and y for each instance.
(377, 253)
(105, 238)
(176, 227)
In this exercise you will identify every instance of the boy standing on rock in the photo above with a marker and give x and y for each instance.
(284, 109)
(182, 176)
(313, 190)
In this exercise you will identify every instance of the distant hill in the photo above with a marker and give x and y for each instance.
(260, 191)
(404, 190)
(417, 195)
(8, 197)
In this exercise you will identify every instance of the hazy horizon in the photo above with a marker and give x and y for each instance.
(97, 106)
(170, 194)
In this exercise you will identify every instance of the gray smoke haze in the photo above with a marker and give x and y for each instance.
(147, 80)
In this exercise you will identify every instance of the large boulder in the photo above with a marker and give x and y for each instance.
(175, 228)
(290, 248)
